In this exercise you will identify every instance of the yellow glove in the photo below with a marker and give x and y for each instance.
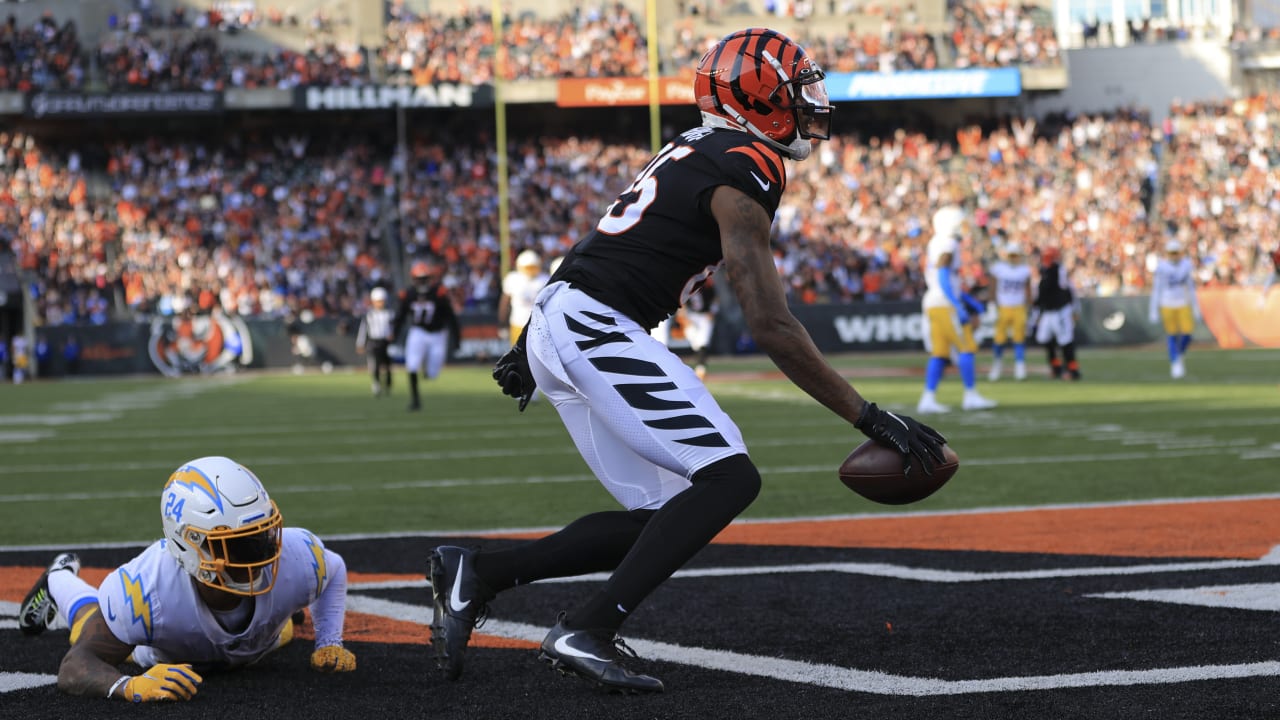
(333, 658)
(163, 682)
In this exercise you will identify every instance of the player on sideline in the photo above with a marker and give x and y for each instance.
(949, 314)
(219, 591)
(698, 320)
(642, 420)
(1056, 310)
(1174, 303)
(426, 307)
(519, 289)
(1013, 295)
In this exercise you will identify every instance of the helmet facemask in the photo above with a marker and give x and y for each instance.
(241, 561)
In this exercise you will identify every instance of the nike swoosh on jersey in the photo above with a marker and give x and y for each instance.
(563, 647)
(763, 185)
(110, 615)
(455, 598)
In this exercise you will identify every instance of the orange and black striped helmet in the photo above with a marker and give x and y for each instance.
(761, 81)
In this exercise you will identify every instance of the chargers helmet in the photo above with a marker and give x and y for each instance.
(221, 527)
(948, 220)
(760, 81)
(528, 259)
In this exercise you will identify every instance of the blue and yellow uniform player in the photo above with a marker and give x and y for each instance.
(1013, 297)
(950, 315)
(1174, 303)
(220, 590)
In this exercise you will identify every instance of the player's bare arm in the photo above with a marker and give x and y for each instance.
(744, 239)
(90, 667)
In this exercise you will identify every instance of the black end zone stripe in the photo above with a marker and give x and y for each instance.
(627, 366)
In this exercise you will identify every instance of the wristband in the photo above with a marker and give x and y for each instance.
(123, 679)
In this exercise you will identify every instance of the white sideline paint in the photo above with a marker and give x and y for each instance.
(1256, 596)
(842, 678)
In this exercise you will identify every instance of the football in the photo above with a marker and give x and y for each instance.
(875, 472)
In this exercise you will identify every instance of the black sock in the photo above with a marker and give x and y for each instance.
(592, 543)
(682, 527)
(413, 386)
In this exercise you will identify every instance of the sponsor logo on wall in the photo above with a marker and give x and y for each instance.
(70, 104)
(382, 97)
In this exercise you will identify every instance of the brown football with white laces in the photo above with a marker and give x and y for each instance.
(875, 472)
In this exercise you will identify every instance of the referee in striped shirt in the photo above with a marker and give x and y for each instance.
(374, 336)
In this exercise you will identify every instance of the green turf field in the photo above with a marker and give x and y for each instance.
(83, 461)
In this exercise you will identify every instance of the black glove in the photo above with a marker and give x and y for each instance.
(513, 375)
(903, 434)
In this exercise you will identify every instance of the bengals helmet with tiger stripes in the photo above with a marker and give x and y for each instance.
(760, 81)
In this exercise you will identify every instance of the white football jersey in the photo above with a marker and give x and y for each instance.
(1174, 283)
(152, 603)
(939, 245)
(523, 290)
(1011, 283)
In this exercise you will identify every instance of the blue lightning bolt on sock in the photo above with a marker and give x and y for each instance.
(967, 374)
(1173, 348)
(933, 373)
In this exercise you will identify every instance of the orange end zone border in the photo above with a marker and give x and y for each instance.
(1243, 529)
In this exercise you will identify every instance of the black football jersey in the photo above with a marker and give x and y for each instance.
(430, 310)
(1051, 294)
(658, 242)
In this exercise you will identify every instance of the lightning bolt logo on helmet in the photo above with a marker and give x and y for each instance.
(190, 476)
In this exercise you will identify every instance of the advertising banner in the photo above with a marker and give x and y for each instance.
(925, 84)
(614, 92)
(382, 97)
(72, 104)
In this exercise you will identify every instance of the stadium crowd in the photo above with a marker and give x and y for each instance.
(146, 50)
(46, 55)
(275, 224)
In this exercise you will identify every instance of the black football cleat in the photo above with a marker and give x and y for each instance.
(595, 656)
(460, 601)
(38, 610)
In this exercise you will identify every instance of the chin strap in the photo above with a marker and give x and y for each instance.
(798, 149)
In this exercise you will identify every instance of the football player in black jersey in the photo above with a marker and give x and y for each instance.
(425, 306)
(698, 320)
(641, 418)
